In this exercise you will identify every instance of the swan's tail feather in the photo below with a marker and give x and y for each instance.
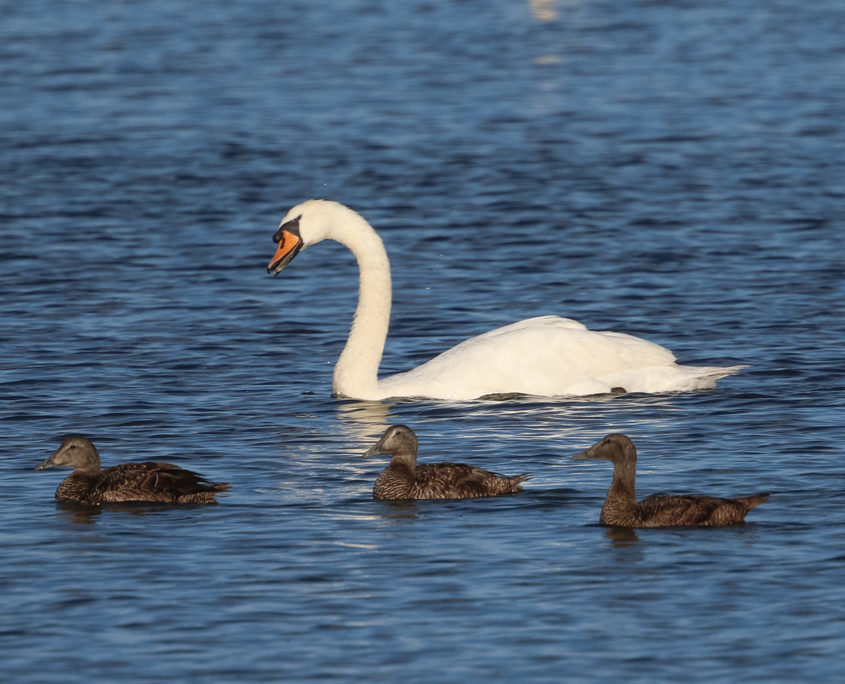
(716, 372)
(672, 378)
(705, 377)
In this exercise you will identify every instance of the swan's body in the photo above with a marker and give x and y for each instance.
(622, 509)
(404, 478)
(544, 356)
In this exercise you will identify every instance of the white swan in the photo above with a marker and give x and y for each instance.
(545, 356)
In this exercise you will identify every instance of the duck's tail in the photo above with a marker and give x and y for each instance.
(205, 494)
(517, 480)
(754, 500)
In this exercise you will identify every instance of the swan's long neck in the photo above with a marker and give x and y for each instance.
(356, 372)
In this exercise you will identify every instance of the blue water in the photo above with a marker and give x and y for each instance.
(671, 170)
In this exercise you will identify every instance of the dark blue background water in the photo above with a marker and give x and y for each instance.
(672, 170)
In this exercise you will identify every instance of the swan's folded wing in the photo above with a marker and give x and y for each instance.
(540, 356)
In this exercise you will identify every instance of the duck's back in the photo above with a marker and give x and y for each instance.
(660, 510)
(149, 481)
(444, 481)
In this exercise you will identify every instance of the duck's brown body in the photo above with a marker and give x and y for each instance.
(404, 479)
(622, 509)
(154, 482)
(442, 481)
(679, 509)
(139, 482)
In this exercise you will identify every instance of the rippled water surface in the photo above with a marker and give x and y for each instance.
(671, 170)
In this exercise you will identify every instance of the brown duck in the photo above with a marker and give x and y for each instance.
(404, 479)
(622, 509)
(152, 482)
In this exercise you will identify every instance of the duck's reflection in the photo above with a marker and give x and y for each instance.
(622, 536)
(87, 515)
(398, 510)
(75, 513)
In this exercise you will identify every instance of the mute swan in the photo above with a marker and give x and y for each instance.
(405, 479)
(543, 356)
(150, 482)
(622, 509)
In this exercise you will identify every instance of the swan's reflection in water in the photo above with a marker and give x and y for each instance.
(514, 416)
(550, 10)
(544, 10)
(364, 420)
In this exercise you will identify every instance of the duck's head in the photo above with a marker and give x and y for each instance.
(75, 452)
(614, 447)
(305, 224)
(397, 440)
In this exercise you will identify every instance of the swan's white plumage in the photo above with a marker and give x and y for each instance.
(544, 356)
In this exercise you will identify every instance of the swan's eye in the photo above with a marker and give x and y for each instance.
(291, 226)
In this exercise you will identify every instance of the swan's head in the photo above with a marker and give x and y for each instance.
(397, 440)
(75, 452)
(304, 225)
(615, 447)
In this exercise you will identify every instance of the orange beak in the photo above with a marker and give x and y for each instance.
(289, 246)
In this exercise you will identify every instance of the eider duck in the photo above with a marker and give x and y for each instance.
(404, 479)
(622, 509)
(151, 482)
